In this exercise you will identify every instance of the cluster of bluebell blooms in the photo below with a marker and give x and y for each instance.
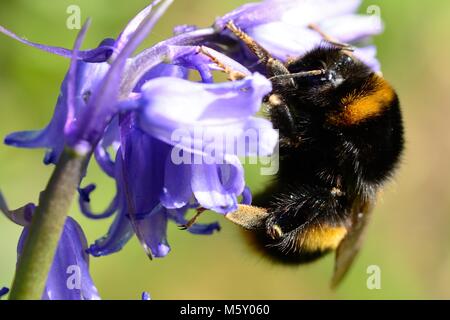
(122, 110)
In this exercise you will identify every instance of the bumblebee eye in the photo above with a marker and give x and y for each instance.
(335, 78)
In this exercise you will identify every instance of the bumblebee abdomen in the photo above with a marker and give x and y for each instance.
(320, 238)
(302, 247)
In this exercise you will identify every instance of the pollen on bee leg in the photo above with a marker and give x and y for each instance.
(275, 100)
(248, 217)
(276, 232)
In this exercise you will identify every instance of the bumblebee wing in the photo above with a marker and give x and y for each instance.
(350, 245)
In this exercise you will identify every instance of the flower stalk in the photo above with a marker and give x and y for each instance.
(46, 228)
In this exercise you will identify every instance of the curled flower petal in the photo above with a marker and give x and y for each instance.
(192, 57)
(47, 138)
(100, 54)
(121, 230)
(21, 216)
(205, 73)
(247, 196)
(69, 277)
(111, 139)
(84, 202)
(202, 228)
(146, 296)
(153, 56)
(3, 291)
(118, 235)
(104, 160)
(162, 70)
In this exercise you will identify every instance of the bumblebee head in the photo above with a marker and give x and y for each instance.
(345, 92)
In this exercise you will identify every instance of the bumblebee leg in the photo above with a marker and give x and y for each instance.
(305, 207)
(232, 74)
(192, 220)
(263, 55)
(335, 42)
(274, 66)
(248, 217)
(281, 116)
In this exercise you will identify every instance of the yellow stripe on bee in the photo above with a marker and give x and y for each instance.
(359, 106)
(321, 239)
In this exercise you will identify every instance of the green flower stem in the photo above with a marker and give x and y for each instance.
(46, 228)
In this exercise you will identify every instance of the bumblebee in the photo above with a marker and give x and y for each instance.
(341, 139)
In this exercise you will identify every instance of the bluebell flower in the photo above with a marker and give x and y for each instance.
(141, 126)
(99, 54)
(281, 26)
(146, 296)
(151, 188)
(89, 93)
(69, 277)
(4, 291)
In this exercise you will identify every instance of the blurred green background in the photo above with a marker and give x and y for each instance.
(409, 237)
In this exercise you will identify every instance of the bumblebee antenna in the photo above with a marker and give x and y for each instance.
(303, 74)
